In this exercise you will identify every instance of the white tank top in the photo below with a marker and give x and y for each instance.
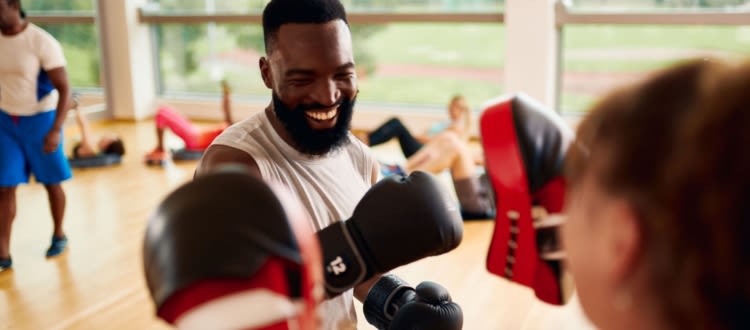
(329, 186)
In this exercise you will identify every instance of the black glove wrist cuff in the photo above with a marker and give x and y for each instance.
(384, 299)
(343, 264)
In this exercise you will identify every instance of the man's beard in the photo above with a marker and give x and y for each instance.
(310, 141)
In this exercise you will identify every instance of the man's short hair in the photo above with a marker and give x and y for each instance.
(280, 12)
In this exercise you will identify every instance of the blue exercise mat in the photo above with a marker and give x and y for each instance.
(99, 160)
(185, 154)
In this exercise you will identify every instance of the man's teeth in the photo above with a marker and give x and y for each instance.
(322, 115)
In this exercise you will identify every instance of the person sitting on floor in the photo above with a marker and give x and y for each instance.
(196, 140)
(448, 151)
(108, 144)
(459, 124)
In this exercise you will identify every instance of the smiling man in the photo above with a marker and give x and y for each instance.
(302, 138)
(302, 141)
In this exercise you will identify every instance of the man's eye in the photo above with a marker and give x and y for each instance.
(300, 82)
(347, 75)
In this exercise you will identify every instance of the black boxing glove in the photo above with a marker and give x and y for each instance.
(393, 304)
(398, 221)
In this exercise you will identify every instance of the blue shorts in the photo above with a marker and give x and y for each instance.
(22, 151)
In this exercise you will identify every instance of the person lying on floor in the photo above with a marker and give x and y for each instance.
(108, 144)
(448, 151)
(459, 123)
(196, 139)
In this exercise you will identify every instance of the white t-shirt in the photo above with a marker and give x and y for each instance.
(25, 89)
(329, 187)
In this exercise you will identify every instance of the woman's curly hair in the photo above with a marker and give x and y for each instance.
(677, 147)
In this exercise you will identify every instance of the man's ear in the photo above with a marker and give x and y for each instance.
(625, 238)
(265, 72)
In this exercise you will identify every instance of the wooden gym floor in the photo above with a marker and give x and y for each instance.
(98, 283)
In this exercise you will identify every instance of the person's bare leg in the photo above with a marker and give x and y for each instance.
(57, 206)
(435, 156)
(7, 214)
(159, 138)
(464, 165)
(450, 152)
(431, 158)
(445, 151)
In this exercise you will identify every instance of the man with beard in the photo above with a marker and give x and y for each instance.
(302, 140)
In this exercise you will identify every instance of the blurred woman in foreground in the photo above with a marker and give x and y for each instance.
(658, 230)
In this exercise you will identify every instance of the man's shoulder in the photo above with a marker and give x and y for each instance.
(362, 157)
(358, 148)
(244, 135)
(218, 155)
(248, 125)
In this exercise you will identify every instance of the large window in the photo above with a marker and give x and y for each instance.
(79, 40)
(419, 62)
(403, 63)
(425, 63)
(599, 57)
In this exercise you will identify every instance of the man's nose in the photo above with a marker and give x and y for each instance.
(326, 93)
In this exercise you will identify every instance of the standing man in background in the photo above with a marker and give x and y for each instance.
(34, 96)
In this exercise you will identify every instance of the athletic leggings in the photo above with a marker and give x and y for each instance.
(195, 139)
(393, 128)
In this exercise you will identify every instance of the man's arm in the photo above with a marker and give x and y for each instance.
(59, 79)
(219, 155)
(361, 290)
